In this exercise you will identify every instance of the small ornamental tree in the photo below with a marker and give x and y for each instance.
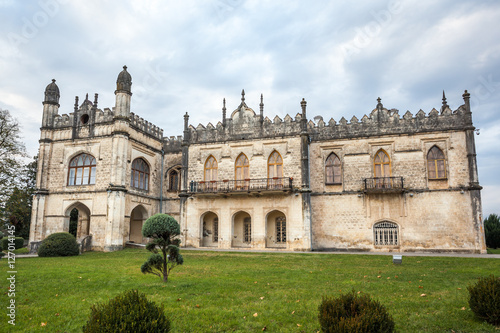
(492, 231)
(163, 230)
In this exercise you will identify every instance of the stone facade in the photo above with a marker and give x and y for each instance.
(396, 183)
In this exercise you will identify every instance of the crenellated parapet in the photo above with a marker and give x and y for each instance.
(172, 144)
(245, 124)
(145, 126)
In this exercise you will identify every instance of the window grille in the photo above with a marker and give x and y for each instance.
(216, 230)
(386, 233)
(247, 230)
(281, 229)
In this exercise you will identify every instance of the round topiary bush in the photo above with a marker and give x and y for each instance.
(60, 244)
(18, 243)
(128, 312)
(484, 299)
(161, 225)
(354, 313)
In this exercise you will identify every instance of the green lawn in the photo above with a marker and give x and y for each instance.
(245, 292)
(493, 251)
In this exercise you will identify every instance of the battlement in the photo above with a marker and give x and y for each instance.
(172, 144)
(145, 126)
(244, 124)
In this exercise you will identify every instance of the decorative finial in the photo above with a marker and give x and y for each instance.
(76, 103)
(125, 67)
(87, 97)
(95, 99)
(53, 80)
(445, 105)
(243, 96)
(379, 103)
(224, 112)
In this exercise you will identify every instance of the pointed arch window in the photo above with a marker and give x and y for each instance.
(436, 163)
(382, 164)
(82, 169)
(242, 172)
(210, 169)
(139, 177)
(174, 180)
(280, 229)
(333, 170)
(275, 170)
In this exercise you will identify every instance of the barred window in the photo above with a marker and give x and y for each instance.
(216, 230)
(247, 230)
(436, 163)
(386, 233)
(139, 177)
(281, 229)
(82, 170)
(332, 169)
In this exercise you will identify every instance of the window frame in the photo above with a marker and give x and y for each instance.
(280, 225)
(382, 164)
(170, 174)
(391, 233)
(143, 182)
(435, 164)
(91, 168)
(213, 166)
(333, 157)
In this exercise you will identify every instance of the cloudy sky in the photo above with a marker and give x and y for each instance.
(186, 56)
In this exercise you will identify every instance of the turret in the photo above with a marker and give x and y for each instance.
(123, 94)
(50, 104)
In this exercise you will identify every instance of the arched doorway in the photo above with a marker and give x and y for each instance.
(276, 229)
(137, 218)
(209, 230)
(78, 220)
(242, 230)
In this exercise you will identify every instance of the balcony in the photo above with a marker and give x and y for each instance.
(384, 185)
(246, 186)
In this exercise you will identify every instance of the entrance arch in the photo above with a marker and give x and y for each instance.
(137, 218)
(209, 230)
(82, 217)
(276, 229)
(242, 230)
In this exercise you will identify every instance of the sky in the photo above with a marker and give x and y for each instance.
(186, 56)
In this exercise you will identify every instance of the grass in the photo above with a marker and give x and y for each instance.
(493, 251)
(222, 291)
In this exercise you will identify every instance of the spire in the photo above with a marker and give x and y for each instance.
(243, 104)
(466, 97)
(303, 121)
(95, 99)
(76, 103)
(224, 112)
(261, 108)
(87, 97)
(445, 105)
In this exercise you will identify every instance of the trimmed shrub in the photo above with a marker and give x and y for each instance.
(492, 231)
(354, 313)
(128, 312)
(18, 243)
(484, 299)
(59, 244)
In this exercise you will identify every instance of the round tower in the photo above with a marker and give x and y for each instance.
(123, 93)
(50, 104)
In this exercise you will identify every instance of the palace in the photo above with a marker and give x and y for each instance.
(387, 182)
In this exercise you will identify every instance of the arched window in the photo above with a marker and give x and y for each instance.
(211, 169)
(382, 164)
(385, 233)
(82, 170)
(436, 163)
(242, 167)
(332, 170)
(173, 180)
(139, 177)
(275, 170)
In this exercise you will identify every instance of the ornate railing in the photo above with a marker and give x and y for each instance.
(246, 185)
(384, 184)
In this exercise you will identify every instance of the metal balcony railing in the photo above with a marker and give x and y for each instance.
(246, 185)
(384, 184)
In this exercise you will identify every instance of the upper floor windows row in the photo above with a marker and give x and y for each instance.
(382, 168)
(82, 171)
(242, 167)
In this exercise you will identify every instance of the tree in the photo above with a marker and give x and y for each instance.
(492, 231)
(17, 208)
(163, 230)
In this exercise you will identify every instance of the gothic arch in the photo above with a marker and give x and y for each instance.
(241, 229)
(209, 228)
(276, 229)
(138, 216)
